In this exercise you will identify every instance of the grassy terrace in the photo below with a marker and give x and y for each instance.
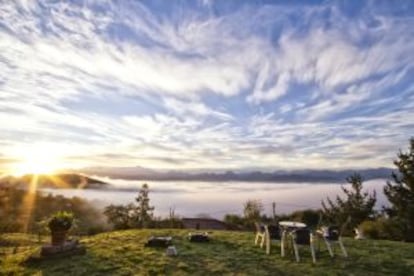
(229, 253)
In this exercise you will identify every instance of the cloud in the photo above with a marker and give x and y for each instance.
(207, 84)
(199, 109)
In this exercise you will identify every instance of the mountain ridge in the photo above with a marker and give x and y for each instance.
(307, 175)
(58, 180)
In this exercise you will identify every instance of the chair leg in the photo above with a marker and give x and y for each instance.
(256, 240)
(328, 245)
(282, 244)
(295, 247)
(312, 248)
(313, 253)
(342, 248)
(267, 238)
(319, 244)
(262, 241)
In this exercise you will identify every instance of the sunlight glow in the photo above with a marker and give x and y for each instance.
(29, 202)
(37, 160)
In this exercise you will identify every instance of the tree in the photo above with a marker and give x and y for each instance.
(357, 205)
(309, 216)
(252, 210)
(143, 212)
(120, 216)
(400, 193)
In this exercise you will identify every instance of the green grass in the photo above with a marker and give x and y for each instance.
(229, 253)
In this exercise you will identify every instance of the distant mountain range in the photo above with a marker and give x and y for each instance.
(140, 173)
(80, 180)
(63, 180)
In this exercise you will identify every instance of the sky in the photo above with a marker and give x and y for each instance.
(205, 84)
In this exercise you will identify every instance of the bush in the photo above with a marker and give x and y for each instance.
(382, 228)
(370, 229)
(391, 229)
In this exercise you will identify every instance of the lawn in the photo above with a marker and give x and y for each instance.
(229, 253)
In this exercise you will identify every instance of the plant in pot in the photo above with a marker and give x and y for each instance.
(59, 225)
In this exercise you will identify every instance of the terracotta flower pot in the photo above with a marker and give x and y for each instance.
(59, 237)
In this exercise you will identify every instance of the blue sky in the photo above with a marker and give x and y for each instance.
(206, 84)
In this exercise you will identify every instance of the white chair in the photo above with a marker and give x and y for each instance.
(260, 234)
(303, 236)
(331, 235)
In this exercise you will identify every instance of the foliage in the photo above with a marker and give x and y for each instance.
(308, 216)
(120, 216)
(400, 193)
(12, 211)
(143, 213)
(228, 253)
(173, 220)
(61, 221)
(381, 228)
(370, 229)
(132, 215)
(357, 205)
(252, 210)
(169, 222)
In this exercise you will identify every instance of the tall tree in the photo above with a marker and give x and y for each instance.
(143, 211)
(356, 204)
(252, 210)
(400, 193)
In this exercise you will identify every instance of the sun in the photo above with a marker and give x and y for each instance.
(36, 161)
(32, 167)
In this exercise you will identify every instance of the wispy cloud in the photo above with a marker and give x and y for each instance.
(207, 84)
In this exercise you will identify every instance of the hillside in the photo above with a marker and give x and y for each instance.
(229, 253)
(62, 180)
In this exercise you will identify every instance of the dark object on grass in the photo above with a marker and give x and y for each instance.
(159, 242)
(198, 237)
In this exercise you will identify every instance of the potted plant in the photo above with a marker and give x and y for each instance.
(59, 225)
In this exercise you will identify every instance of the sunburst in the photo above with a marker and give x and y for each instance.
(36, 161)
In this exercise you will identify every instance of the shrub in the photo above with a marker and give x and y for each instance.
(370, 229)
(382, 228)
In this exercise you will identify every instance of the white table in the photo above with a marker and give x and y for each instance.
(292, 224)
(287, 227)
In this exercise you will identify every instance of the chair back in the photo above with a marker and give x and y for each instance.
(274, 232)
(259, 227)
(302, 236)
(331, 232)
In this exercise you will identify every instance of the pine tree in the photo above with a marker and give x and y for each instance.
(143, 211)
(357, 205)
(400, 193)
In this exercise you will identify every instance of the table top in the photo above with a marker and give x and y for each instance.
(292, 224)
